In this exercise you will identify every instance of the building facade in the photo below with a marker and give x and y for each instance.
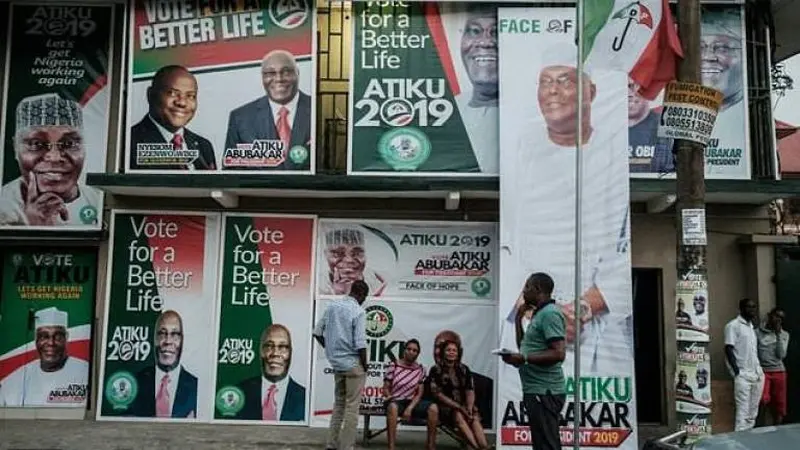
(121, 80)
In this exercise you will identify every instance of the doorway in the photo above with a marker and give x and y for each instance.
(649, 345)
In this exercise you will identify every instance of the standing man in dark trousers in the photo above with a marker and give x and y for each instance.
(342, 332)
(542, 352)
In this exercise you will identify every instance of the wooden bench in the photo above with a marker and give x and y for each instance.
(369, 434)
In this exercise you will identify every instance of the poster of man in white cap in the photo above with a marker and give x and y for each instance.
(54, 378)
(55, 116)
(45, 326)
(539, 124)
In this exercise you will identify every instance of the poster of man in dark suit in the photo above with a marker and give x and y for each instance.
(282, 115)
(161, 141)
(166, 389)
(273, 395)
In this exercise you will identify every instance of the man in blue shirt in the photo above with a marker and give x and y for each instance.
(542, 352)
(341, 331)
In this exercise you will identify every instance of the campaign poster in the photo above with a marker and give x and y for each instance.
(55, 125)
(538, 98)
(160, 313)
(263, 350)
(693, 378)
(723, 67)
(691, 310)
(413, 260)
(424, 89)
(221, 86)
(393, 322)
(45, 327)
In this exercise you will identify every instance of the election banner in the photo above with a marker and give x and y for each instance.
(55, 114)
(221, 86)
(539, 123)
(424, 90)
(390, 323)
(263, 350)
(46, 327)
(159, 316)
(723, 67)
(425, 261)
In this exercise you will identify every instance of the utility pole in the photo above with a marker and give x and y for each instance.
(690, 195)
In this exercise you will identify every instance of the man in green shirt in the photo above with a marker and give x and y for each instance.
(542, 352)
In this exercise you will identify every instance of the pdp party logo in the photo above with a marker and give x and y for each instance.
(298, 154)
(121, 389)
(397, 112)
(229, 401)
(288, 14)
(379, 321)
(88, 215)
(481, 286)
(404, 148)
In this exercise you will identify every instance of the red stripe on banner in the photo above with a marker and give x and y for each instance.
(589, 437)
(79, 349)
(440, 40)
(96, 87)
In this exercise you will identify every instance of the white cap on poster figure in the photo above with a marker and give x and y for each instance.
(51, 317)
(562, 54)
(48, 110)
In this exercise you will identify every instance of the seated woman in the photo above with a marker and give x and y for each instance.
(452, 386)
(402, 388)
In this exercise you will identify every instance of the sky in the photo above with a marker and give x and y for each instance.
(786, 108)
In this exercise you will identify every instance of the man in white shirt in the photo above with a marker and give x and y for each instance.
(606, 295)
(540, 234)
(283, 114)
(741, 358)
(273, 395)
(49, 147)
(55, 379)
(166, 389)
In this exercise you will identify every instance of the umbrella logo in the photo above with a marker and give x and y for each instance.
(635, 13)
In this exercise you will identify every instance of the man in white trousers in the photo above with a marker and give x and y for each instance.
(741, 357)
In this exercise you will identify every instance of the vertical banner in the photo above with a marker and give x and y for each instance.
(424, 89)
(390, 323)
(539, 101)
(46, 327)
(266, 308)
(723, 67)
(160, 315)
(56, 103)
(412, 260)
(221, 86)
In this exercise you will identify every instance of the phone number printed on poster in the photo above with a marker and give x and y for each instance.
(690, 111)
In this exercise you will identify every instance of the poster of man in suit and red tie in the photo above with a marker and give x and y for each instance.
(221, 88)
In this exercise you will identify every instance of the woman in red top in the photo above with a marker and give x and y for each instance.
(402, 389)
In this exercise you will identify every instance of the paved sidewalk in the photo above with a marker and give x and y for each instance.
(92, 435)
